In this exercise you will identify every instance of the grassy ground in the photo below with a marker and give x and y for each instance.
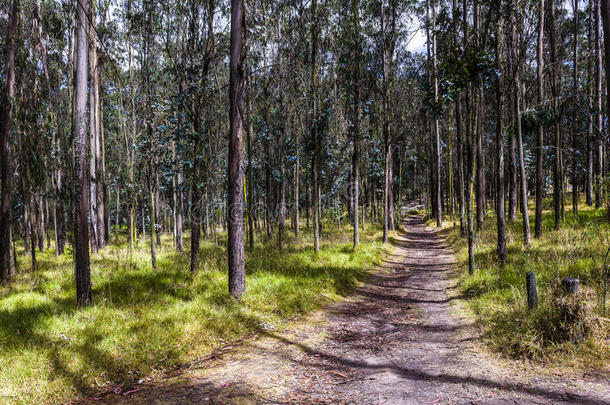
(144, 319)
(498, 298)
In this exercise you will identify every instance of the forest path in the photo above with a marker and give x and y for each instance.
(398, 340)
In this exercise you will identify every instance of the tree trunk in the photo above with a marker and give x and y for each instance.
(574, 130)
(599, 190)
(33, 231)
(93, 132)
(557, 172)
(158, 217)
(606, 23)
(500, 214)
(540, 133)
(8, 105)
(153, 209)
(282, 207)
(38, 202)
(516, 101)
(235, 248)
(590, 132)
(297, 173)
(315, 160)
(250, 206)
(355, 185)
(196, 201)
(81, 197)
(460, 151)
(480, 162)
(437, 138)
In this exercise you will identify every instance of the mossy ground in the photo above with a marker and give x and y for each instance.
(144, 319)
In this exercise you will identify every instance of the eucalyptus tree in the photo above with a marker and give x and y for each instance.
(315, 136)
(235, 243)
(79, 128)
(6, 126)
(500, 214)
(540, 132)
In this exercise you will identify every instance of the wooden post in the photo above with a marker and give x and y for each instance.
(532, 294)
(570, 285)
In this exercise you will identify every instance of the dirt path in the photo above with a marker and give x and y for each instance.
(397, 341)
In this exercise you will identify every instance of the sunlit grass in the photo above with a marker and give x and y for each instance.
(144, 319)
(497, 295)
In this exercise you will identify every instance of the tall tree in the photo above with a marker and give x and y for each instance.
(315, 136)
(599, 144)
(540, 133)
(461, 150)
(555, 90)
(575, 176)
(6, 127)
(500, 135)
(357, 56)
(605, 11)
(471, 123)
(436, 131)
(235, 196)
(517, 127)
(591, 118)
(79, 126)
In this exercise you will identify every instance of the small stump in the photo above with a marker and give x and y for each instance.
(573, 306)
(570, 285)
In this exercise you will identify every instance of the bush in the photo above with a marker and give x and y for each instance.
(573, 319)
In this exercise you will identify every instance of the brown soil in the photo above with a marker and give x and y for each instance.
(398, 340)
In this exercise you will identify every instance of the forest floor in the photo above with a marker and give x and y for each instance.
(404, 337)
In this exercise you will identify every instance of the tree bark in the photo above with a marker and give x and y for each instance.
(460, 152)
(355, 186)
(518, 132)
(81, 197)
(315, 158)
(153, 225)
(555, 89)
(599, 189)
(93, 132)
(235, 248)
(437, 138)
(540, 133)
(605, 6)
(480, 162)
(500, 215)
(197, 201)
(5, 143)
(251, 204)
(574, 130)
(590, 131)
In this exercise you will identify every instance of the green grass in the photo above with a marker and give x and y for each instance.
(497, 297)
(144, 319)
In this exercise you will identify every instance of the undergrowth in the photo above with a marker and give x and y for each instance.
(144, 319)
(497, 295)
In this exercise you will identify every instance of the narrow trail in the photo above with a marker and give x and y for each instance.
(398, 340)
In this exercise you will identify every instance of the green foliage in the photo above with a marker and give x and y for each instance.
(458, 72)
(144, 318)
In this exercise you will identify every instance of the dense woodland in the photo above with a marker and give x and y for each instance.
(130, 122)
